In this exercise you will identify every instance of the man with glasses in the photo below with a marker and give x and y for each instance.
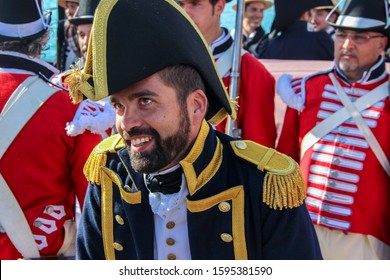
(338, 127)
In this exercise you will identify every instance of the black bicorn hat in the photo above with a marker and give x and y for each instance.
(288, 11)
(370, 15)
(22, 20)
(134, 39)
(85, 12)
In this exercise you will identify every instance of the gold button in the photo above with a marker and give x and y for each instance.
(226, 237)
(170, 242)
(127, 188)
(171, 257)
(119, 219)
(170, 225)
(224, 206)
(118, 246)
(240, 145)
(37, 224)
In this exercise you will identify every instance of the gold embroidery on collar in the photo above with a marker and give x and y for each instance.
(195, 182)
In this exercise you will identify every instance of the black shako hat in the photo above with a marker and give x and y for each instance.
(370, 15)
(22, 19)
(134, 39)
(85, 12)
(288, 11)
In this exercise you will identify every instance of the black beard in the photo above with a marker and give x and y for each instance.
(166, 151)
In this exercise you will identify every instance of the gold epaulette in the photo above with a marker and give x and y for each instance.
(284, 186)
(98, 157)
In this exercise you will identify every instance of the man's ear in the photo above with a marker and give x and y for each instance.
(383, 44)
(219, 7)
(197, 104)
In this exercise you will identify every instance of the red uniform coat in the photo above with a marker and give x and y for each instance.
(347, 188)
(255, 116)
(43, 166)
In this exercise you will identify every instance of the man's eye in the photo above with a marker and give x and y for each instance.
(341, 36)
(117, 106)
(145, 101)
(359, 37)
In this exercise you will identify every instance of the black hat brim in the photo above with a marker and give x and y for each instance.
(81, 20)
(25, 38)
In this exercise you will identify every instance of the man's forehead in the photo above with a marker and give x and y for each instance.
(255, 4)
(320, 11)
(355, 31)
(189, 1)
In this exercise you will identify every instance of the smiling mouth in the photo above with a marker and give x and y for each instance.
(140, 141)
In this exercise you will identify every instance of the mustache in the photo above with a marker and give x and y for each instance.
(347, 52)
(140, 131)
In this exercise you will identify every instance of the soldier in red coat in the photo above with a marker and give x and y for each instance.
(338, 125)
(41, 166)
(255, 115)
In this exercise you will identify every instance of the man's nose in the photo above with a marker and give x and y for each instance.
(130, 119)
(348, 43)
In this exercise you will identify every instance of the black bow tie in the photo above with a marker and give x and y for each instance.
(166, 184)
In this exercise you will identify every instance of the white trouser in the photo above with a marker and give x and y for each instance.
(337, 245)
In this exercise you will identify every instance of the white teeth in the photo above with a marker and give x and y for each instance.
(140, 141)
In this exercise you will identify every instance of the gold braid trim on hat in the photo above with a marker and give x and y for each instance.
(283, 186)
(78, 85)
(222, 114)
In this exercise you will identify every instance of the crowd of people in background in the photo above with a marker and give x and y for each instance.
(109, 145)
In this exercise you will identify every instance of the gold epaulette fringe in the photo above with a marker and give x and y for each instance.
(92, 167)
(284, 191)
(98, 158)
(284, 186)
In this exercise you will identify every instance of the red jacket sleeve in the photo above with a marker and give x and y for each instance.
(289, 137)
(256, 102)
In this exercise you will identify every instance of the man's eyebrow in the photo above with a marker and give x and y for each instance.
(143, 93)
